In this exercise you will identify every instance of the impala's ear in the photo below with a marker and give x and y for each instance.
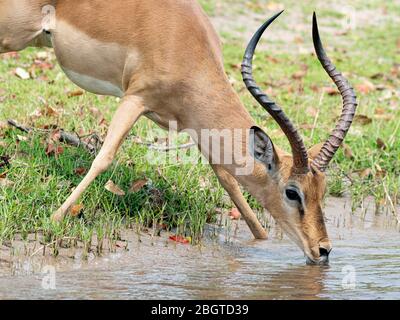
(262, 148)
(314, 151)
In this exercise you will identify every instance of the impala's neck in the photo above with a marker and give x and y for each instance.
(228, 114)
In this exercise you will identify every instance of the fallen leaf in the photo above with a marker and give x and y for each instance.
(384, 117)
(234, 214)
(380, 111)
(22, 73)
(21, 138)
(378, 75)
(50, 112)
(298, 40)
(75, 93)
(138, 185)
(330, 91)
(4, 162)
(364, 173)
(42, 55)
(380, 174)
(236, 66)
(381, 144)
(312, 111)
(299, 75)
(365, 87)
(6, 183)
(96, 113)
(348, 153)
(362, 119)
(3, 125)
(80, 171)
(55, 136)
(36, 114)
(114, 189)
(180, 239)
(11, 55)
(76, 210)
(53, 150)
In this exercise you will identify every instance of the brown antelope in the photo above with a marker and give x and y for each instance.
(163, 58)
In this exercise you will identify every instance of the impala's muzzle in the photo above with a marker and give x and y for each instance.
(323, 257)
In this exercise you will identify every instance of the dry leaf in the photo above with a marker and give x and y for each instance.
(4, 162)
(180, 239)
(381, 144)
(312, 111)
(36, 114)
(380, 111)
(42, 55)
(364, 173)
(348, 153)
(3, 125)
(365, 87)
(21, 138)
(330, 91)
(6, 183)
(384, 117)
(50, 112)
(362, 119)
(55, 136)
(299, 75)
(80, 171)
(75, 93)
(76, 210)
(114, 189)
(138, 185)
(22, 73)
(53, 150)
(380, 174)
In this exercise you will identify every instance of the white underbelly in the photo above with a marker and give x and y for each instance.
(94, 85)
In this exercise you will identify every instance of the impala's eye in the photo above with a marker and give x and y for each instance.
(293, 195)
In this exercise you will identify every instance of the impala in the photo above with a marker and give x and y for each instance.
(164, 60)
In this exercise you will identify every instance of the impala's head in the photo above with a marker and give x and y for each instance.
(20, 23)
(298, 182)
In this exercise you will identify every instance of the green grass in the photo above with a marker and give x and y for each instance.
(42, 183)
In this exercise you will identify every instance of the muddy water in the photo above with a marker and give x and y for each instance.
(365, 263)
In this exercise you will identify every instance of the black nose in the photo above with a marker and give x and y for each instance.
(323, 252)
(323, 256)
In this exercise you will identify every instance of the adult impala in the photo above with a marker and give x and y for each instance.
(163, 58)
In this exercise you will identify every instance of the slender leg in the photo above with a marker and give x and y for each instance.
(126, 116)
(232, 187)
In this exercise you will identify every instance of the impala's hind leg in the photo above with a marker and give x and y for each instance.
(232, 187)
(126, 116)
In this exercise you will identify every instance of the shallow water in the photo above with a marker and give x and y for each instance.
(365, 263)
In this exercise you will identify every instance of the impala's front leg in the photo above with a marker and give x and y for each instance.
(232, 187)
(126, 116)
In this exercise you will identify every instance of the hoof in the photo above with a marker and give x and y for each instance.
(261, 235)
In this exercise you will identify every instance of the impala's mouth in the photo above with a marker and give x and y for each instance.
(323, 260)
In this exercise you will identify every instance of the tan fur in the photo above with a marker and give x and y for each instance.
(165, 58)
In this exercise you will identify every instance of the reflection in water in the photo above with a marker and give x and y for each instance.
(237, 269)
(307, 282)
